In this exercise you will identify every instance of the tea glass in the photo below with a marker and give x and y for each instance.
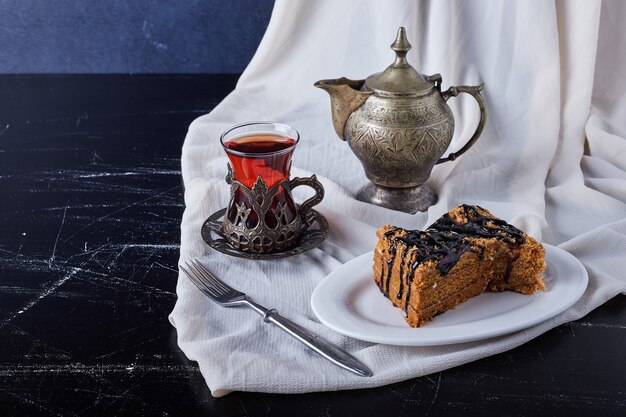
(262, 216)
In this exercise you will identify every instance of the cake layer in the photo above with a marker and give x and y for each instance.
(464, 253)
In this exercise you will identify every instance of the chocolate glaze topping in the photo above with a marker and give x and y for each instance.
(445, 241)
(479, 226)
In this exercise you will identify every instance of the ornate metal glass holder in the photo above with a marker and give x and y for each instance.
(262, 217)
(278, 239)
(260, 222)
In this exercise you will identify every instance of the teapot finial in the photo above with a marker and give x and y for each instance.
(401, 46)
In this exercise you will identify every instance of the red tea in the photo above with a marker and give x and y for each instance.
(262, 155)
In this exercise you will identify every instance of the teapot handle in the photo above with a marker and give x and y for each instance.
(474, 92)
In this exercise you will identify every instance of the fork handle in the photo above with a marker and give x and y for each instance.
(337, 356)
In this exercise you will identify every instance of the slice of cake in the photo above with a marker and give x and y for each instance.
(464, 253)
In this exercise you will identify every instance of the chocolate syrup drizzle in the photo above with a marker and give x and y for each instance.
(401, 286)
(392, 252)
(445, 241)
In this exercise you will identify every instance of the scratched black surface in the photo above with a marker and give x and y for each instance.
(90, 205)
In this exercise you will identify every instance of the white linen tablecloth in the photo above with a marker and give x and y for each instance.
(552, 161)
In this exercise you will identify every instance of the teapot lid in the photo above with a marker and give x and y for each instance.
(400, 77)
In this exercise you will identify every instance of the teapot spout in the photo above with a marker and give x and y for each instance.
(345, 97)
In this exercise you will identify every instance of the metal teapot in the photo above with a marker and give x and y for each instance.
(398, 124)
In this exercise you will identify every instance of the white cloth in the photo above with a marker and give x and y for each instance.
(551, 160)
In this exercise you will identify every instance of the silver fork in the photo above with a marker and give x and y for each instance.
(218, 291)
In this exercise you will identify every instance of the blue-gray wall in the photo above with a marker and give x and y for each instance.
(125, 36)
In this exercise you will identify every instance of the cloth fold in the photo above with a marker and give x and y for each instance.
(551, 160)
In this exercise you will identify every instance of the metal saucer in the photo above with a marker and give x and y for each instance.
(310, 237)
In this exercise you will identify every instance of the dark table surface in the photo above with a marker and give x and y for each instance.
(90, 205)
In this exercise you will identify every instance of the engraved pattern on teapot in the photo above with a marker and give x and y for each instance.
(413, 112)
(399, 134)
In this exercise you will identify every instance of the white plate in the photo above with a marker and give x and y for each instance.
(349, 302)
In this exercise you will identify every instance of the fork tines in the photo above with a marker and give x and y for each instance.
(201, 276)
